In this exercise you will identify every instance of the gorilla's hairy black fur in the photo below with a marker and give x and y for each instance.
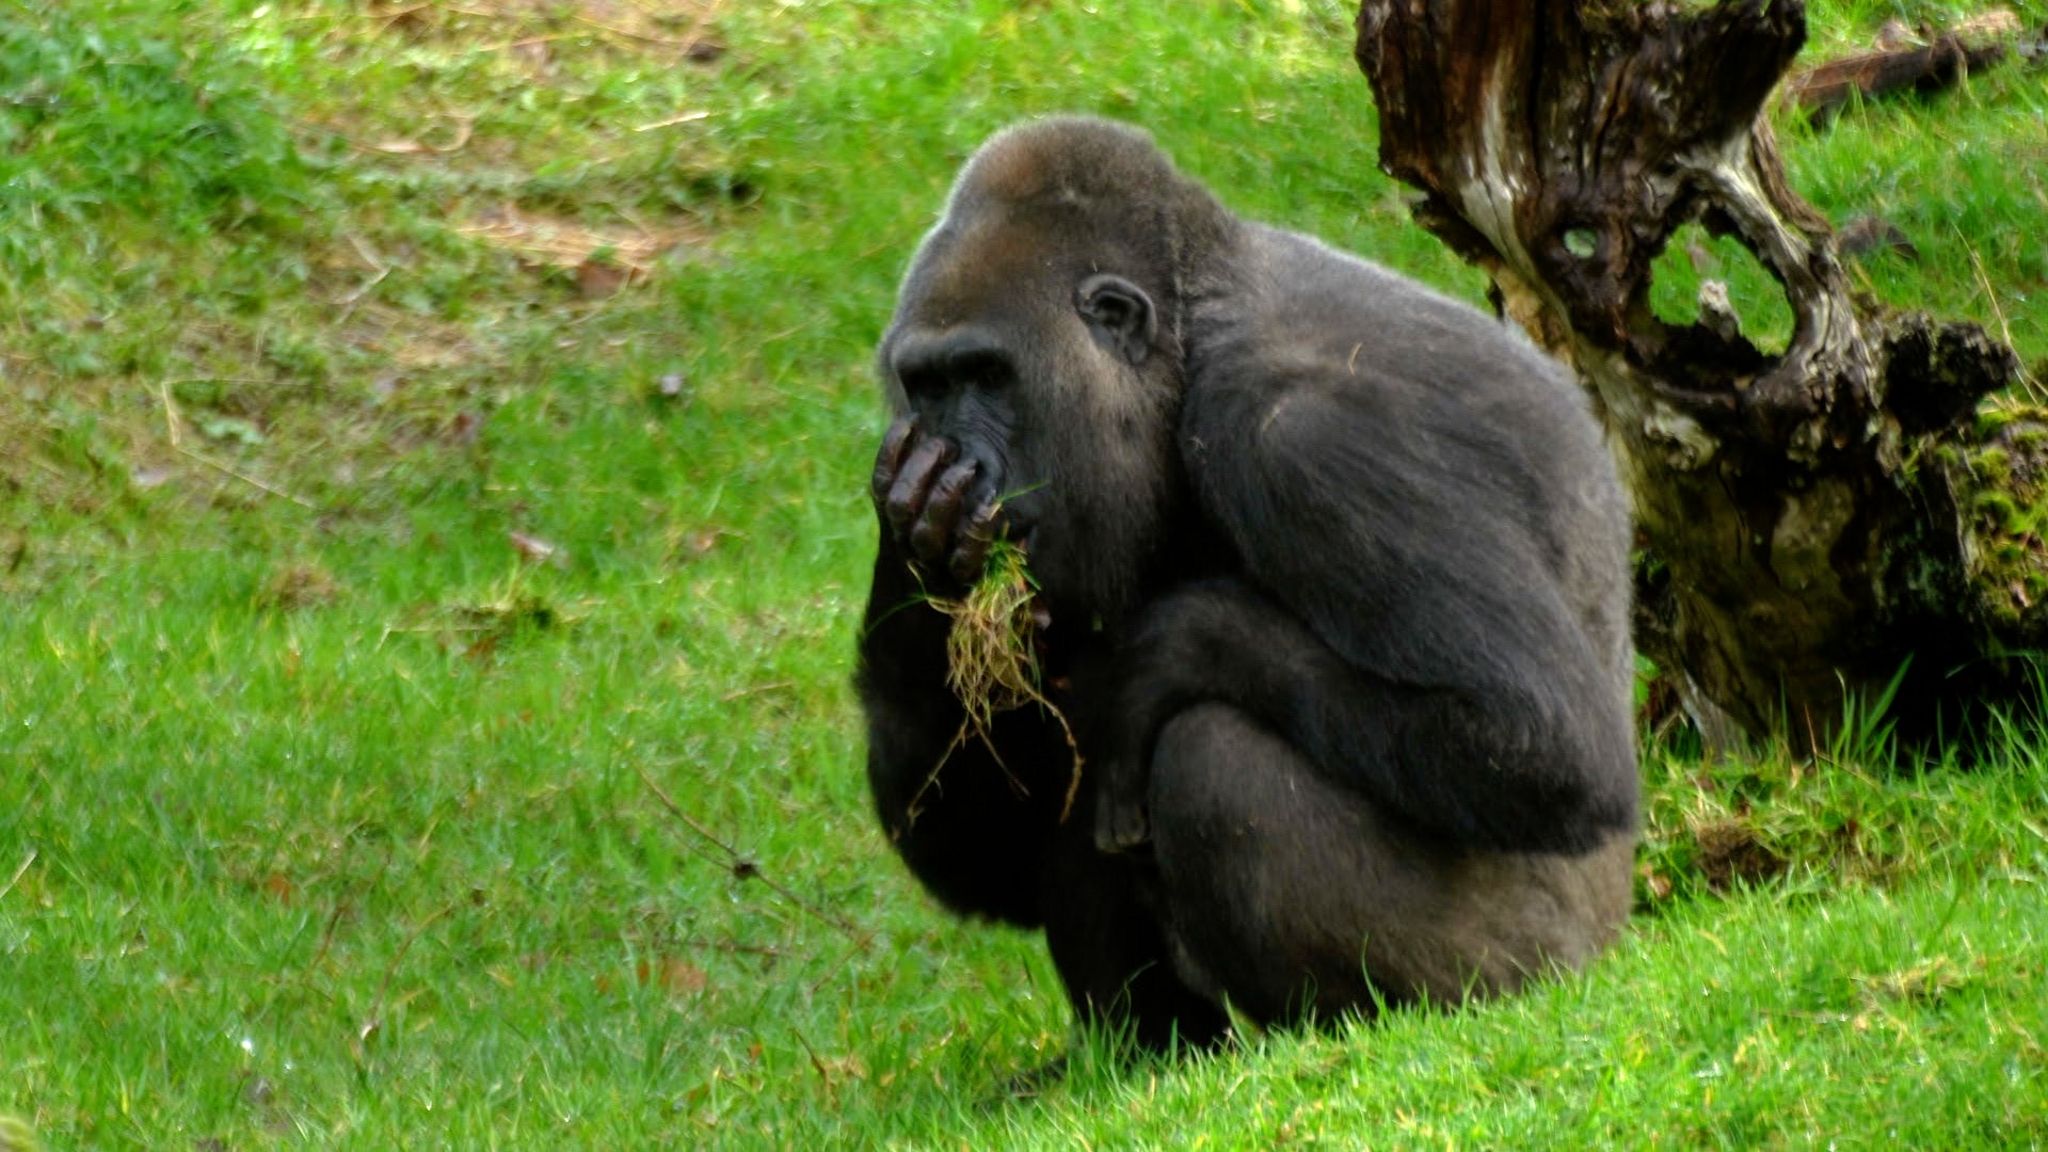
(1336, 575)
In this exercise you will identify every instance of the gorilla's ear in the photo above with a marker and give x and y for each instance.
(1119, 314)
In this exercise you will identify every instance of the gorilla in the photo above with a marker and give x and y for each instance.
(1333, 578)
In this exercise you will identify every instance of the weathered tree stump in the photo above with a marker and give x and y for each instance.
(1814, 520)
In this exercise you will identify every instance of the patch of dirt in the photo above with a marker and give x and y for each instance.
(297, 586)
(628, 253)
(679, 25)
(410, 343)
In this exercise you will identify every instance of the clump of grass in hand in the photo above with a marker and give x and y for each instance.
(992, 653)
(992, 661)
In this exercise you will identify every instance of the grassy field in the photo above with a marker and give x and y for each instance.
(432, 443)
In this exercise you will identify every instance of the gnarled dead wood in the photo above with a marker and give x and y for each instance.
(1906, 60)
(1810, 516)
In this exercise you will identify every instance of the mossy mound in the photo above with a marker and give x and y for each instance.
(2000, 484)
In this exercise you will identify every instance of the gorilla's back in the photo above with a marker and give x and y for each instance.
(1439, 371)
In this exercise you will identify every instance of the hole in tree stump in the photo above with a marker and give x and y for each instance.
(1747, 292)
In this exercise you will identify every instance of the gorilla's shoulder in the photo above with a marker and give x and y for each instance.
(1302, 298)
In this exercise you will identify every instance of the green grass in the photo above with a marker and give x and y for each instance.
(322, 809)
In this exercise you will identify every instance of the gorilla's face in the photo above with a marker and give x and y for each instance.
(1027, 339)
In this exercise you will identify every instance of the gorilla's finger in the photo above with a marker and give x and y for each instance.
(889, 460)
(986, 495)
(914, 483)
(970, 552)
(941, 512)
(1121, 824)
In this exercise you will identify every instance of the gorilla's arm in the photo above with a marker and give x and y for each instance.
(1510, 771)
(970, 827)
(1396, 619)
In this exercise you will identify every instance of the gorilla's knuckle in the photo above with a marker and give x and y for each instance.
(901, 509)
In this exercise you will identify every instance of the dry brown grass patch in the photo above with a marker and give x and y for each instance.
(544, 241)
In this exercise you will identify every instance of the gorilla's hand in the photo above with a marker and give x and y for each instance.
(921, 495)
(1212, 641)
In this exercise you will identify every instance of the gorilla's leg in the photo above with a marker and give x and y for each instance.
(1105, 941)
(1290, 896)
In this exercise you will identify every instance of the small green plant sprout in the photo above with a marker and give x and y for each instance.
(992, 662)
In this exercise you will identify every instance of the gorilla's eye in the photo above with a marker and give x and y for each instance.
(1119, 315)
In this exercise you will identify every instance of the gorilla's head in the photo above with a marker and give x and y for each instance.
(1039, 329)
